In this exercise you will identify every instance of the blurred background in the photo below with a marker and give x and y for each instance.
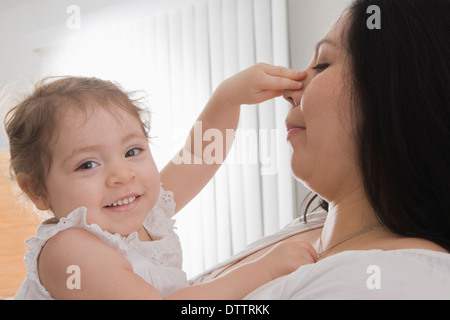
(175, 52)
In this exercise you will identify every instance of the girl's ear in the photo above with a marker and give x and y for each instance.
(34, 192)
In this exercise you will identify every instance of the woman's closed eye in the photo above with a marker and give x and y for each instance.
(320, 67)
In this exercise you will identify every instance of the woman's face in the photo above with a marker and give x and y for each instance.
(319, 127)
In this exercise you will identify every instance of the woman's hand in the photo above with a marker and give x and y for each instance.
(259, 83)
(288, 256)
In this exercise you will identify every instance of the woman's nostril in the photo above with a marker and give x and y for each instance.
(290, 96)
(291, 101)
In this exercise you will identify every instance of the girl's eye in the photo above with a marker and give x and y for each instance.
(88, 165)
(133, 152)
(320, 67)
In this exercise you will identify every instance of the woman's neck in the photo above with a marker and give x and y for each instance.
(348, 216)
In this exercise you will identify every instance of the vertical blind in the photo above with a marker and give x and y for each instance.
(179, 57)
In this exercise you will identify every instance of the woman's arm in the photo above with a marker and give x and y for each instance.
(212, 135)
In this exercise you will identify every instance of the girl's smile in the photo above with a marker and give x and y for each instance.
(101, 160)
(125, 201)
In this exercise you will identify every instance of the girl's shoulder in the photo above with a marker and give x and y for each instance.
(73, 244)
(74, 256)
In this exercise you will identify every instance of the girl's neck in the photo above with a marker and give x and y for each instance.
(143, 235)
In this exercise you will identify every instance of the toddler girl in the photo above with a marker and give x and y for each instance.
(79, 149)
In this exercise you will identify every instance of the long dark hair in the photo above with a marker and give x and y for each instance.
(401, 107)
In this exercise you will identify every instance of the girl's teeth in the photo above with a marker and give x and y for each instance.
(123, 201)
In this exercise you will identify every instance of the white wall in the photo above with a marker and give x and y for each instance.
(29, 27)
(309, 21)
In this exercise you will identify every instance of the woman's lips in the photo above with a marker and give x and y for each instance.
(293, 131)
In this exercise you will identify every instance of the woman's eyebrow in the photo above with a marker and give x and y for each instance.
(321, 42)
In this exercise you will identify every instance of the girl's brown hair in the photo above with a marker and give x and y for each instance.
(31, 124)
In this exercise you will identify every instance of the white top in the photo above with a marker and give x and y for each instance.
(371, 274)
(158, 262)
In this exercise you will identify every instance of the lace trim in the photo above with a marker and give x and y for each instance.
(167, 202)
(165, 249)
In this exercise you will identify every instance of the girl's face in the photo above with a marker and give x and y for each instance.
(319, 125)
(102, 161)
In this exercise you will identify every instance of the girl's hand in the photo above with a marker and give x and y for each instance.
(259, 83)
(288, 256)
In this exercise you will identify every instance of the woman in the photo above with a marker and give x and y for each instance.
(370, 135)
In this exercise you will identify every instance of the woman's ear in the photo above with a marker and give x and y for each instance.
(34, 192)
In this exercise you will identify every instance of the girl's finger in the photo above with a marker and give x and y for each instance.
(278, 71)
(278, 83)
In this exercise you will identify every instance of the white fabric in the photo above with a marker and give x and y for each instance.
(371, 274)
(402, 274)
(158, 262)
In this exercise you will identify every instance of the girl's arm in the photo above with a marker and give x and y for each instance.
(282, 259)
(212, 135)
(104, 273)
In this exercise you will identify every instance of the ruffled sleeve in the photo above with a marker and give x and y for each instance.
(159, 222)
(47, 230)
(165, 249)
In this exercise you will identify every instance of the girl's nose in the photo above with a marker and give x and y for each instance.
(120, 174)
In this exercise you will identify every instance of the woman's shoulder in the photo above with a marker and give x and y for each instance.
(390, 260)
(390, 274)
(410, 243)
(367, 274)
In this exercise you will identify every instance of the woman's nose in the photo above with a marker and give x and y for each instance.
(120, 174)
(293, 96)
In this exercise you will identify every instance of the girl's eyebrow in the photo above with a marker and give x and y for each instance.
(133, 135)
(83, 149)
(96, 147)
(321, 42)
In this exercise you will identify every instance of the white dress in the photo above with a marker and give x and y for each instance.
(372, 274)
(158, 262)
